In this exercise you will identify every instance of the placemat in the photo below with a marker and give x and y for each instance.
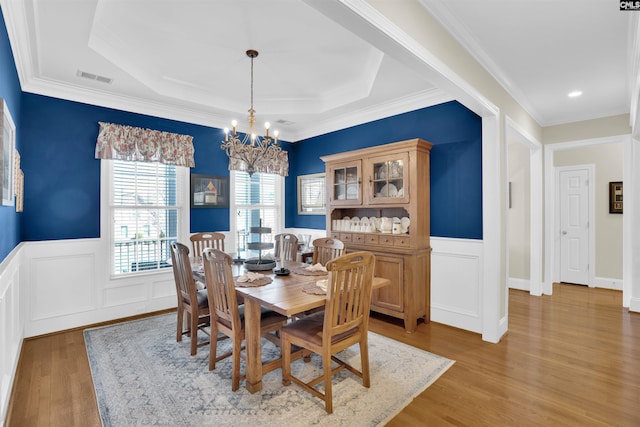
(304, 272)
(258, 282)
(312, 288)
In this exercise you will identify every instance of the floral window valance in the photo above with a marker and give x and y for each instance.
(144, 145)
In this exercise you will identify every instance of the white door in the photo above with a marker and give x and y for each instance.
(574, 226)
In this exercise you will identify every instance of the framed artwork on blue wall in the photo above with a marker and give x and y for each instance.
(208, 191)
(311, 194)
(7, 148)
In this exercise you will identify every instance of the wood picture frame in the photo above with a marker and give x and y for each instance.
(615, 197)
(312, 194)
(209, 191)
(7, 156)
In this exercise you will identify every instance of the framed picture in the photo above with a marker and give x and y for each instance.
(311, 194)
(19, 191)
(615, 197)
(7, 147)
(209, 191)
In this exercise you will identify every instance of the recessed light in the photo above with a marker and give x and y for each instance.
(575, 93)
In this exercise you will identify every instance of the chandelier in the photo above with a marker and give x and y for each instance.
(254, 153)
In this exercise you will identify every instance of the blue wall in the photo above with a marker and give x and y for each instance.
(10, 92)
(456, 164)
(62, 176)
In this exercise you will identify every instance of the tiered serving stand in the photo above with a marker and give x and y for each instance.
(259, 264)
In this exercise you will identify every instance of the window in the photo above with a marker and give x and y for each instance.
(146, 214)
(256, 200)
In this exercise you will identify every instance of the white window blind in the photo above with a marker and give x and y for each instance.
(145, 209)
(257, 201)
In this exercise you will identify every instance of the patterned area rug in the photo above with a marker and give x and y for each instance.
(142, 376)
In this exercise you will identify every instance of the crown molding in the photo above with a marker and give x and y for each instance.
(462, 35)
(356, 117)
(406, 104)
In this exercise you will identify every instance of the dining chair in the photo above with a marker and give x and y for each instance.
(290, 246)
(343, 323)
(202, 241)
(325, 249)
(191, 301)
(227, 315)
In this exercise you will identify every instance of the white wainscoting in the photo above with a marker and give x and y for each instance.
(69, 285)
(11, 324)
(456, 282)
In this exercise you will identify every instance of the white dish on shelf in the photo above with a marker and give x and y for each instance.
(389, 190)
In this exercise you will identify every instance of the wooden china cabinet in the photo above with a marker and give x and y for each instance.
(388, 181)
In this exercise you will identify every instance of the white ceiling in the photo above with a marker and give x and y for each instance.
(541, 50)
(322, 65)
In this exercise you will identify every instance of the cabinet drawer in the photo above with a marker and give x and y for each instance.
(335, 235)
(346, 237)
(403, 241)
(385, 239)
(358, 238)
(372, 239)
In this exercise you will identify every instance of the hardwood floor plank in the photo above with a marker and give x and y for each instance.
(569, 359)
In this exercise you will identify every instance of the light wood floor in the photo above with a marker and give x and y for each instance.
(570, 359)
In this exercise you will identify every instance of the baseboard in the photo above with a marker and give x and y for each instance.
(607, 283)
(519, 284)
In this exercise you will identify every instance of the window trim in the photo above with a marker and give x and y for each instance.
(106, 228)
(279, 203)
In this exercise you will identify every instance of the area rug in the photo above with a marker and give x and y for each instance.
(143, 377)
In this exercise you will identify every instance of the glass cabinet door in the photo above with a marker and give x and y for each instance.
(345, 184)
(388, 179)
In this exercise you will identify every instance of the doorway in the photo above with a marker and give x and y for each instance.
(524, 210)
(575, 223)
(606, 240)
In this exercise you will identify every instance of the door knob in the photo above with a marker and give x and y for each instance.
(564, 232)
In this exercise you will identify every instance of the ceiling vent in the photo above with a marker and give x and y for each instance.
(284, 122)
(95, 77)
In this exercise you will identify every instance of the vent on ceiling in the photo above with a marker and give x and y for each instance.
(285, 122)
(95, 77)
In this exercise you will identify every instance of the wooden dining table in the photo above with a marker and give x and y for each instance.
(284, 295)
